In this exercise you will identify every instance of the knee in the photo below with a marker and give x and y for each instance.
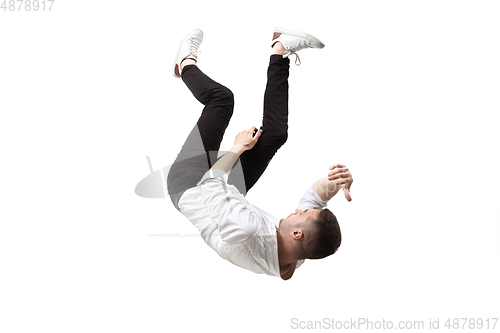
(278, 138)
(283, 137)
(223, 94)
(228, 96)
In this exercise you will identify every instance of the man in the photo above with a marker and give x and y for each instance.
(210, 191)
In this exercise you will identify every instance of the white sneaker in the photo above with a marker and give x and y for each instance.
(187, 50)
(294, 41)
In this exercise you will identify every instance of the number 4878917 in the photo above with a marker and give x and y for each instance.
(27, 5)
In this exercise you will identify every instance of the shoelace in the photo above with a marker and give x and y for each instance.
(297, 59)
(193, 47)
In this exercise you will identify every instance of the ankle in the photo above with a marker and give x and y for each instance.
(187, 61)
(278, 48)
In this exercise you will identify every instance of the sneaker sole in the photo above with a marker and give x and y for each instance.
(177, 67)
(316, 42)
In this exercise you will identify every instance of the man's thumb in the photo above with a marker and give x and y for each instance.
(347, 192)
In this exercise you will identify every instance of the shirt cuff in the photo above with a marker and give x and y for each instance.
(213, 174)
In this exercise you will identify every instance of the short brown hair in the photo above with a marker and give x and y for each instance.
(326, 235)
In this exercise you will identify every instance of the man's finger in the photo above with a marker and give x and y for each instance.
(341, 181)
(338, 170)
(340, 176)
(336, 166)
(257, 135)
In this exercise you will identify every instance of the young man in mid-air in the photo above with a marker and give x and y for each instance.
(210, 190)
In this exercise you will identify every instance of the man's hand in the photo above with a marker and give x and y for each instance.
(340, 175)
(245, 140)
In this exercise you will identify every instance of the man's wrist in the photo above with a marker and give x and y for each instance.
(325, 188)
(237, 149)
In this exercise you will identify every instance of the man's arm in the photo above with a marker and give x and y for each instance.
(226, 162)
(245, 140)
(338, 178)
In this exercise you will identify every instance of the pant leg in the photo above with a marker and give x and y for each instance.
(199, 151)
(219, 105)
(274, 122)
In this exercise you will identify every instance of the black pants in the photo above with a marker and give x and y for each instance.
(201, 149)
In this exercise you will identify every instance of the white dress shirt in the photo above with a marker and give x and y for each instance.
(238, 231)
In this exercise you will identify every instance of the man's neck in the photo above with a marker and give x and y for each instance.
(285, 255)
(287, 262)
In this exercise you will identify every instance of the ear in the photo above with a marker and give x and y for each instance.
(296, 233)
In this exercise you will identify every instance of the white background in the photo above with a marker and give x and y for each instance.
(406, 94)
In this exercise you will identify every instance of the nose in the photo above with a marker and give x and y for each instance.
(298, 211)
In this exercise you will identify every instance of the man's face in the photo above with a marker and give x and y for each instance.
(300, 216)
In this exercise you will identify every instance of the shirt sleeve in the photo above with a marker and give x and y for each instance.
(228, 209)
(311, 200)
